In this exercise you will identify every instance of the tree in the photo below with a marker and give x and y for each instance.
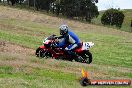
(67, 8)
(57, 7)
(84, 9)
(88, 9)
(77, 8)
(12, 2)
(3, 1)
(91, 11)
(15, 1)
(113, 17)
(43, 4)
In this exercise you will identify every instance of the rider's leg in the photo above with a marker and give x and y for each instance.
(70, 52)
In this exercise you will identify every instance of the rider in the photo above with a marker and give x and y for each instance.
(69, 39)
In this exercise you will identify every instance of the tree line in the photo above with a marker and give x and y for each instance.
(79, 9)
(12, 1)
(74, 9)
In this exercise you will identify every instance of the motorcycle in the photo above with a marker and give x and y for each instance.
(49, 49)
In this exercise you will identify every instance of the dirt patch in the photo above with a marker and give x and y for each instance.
(15, 49)
(20, 30)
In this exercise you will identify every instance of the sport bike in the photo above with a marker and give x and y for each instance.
(49, 49)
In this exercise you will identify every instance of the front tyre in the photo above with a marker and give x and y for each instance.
(43, 53)
(39, 52)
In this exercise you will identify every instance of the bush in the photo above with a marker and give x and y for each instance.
(113, 17)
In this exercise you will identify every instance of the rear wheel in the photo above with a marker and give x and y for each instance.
(87, 57)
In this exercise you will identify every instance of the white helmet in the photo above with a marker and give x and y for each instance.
(63, 29)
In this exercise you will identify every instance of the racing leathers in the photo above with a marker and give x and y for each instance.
(69, 41)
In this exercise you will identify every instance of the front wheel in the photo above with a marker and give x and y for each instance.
(39, 52)
(87, 57)
(43, 53)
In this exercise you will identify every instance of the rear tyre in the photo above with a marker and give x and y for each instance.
(87, 57)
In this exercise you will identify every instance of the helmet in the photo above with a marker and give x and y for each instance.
(63, 29)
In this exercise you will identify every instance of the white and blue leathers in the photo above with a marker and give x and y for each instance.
(71, 39)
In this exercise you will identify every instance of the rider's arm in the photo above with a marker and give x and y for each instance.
(59, 37)
(71, 40)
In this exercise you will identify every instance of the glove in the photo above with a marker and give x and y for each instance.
(54, 45)
(56, 40)
(66, 49)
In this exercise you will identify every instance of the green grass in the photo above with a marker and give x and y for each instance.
(108, 46)
(8, 71)
(24, 33)
(38, 77)
(30, 76)
(112, 57)
(25, 40)
(112, 50)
